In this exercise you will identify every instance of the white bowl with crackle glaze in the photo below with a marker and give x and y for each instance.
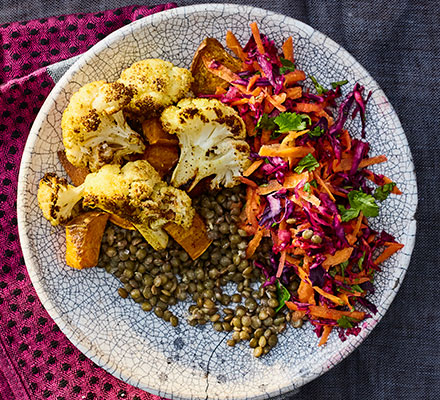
(137, 347)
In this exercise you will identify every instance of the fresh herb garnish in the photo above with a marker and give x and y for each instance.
(343, 267)
(319, 88)
(267, 123)
(307, 187)
(288, 66)
(347, 322)
(361, 261)
(283, 295)
(290, 121)
(359, 201)
(308, 162)
(315, 132)
(356, 288)
(339, 83)
(382, 192)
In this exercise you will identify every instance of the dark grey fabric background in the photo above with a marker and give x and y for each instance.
(399, 44)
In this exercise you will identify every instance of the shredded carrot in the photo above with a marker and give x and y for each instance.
(339, 257)
(239, 102)
(253, 167)
(257, 37)
(325, 334)
(294, 92)
(331, 297)
(307, 107)
(390, 249)
(272, 186)
(330, 313)
(287, 48)
(306, 294)
(251, 83)
(275, 150)
(357, 227)
(289, 140)
(277, 101)
(254, 243)
(248, 182)
(281, 263)
(233, 43)
(345, 164)
(293, 77)
(324, 185)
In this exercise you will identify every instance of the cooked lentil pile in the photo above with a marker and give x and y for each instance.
(222, 287)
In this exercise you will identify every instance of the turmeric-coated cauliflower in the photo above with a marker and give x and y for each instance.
(211, 137)
(134, 192)
(95, 131)
(137, 193)
(156, 84)
(58, 200)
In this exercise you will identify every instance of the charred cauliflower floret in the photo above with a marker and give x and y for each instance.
(156, 84)
(95, 131)
(58, 200)
(136, 192)
(211, 137)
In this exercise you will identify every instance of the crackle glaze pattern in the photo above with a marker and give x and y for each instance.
(136, 346)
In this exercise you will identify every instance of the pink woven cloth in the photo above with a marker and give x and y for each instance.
(36, 360)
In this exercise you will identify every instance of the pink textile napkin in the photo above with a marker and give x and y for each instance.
(36, 360)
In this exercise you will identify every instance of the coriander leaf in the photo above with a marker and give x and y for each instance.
(339, 83)
(308, 162)
(307, 187)
(288, 66)
(347, 214)
(359, 201)
(315, 132)
(266, 123)
(283, 295)
(346, 322)
(363, 202)
(290, 121)
(319, 88)
(382, 192)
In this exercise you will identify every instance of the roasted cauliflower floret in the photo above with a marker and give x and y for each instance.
(58, 200)
(156, 84)
(95, 131)
(211, 138)
(136, 192)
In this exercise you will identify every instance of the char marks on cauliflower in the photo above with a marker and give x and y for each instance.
(95, 131)
(211, 138)
(156, 84)
(58, 200)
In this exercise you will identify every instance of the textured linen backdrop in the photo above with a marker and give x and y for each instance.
(398, 42)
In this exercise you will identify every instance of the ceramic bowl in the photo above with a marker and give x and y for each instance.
(137, 347)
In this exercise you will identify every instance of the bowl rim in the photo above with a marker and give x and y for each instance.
(82, 60)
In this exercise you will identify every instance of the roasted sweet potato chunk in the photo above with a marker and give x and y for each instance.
(121, 222)
(83, 239)
(76, 174)
(154, 133)
(193, 240)
(206, 82)
(162, 157)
